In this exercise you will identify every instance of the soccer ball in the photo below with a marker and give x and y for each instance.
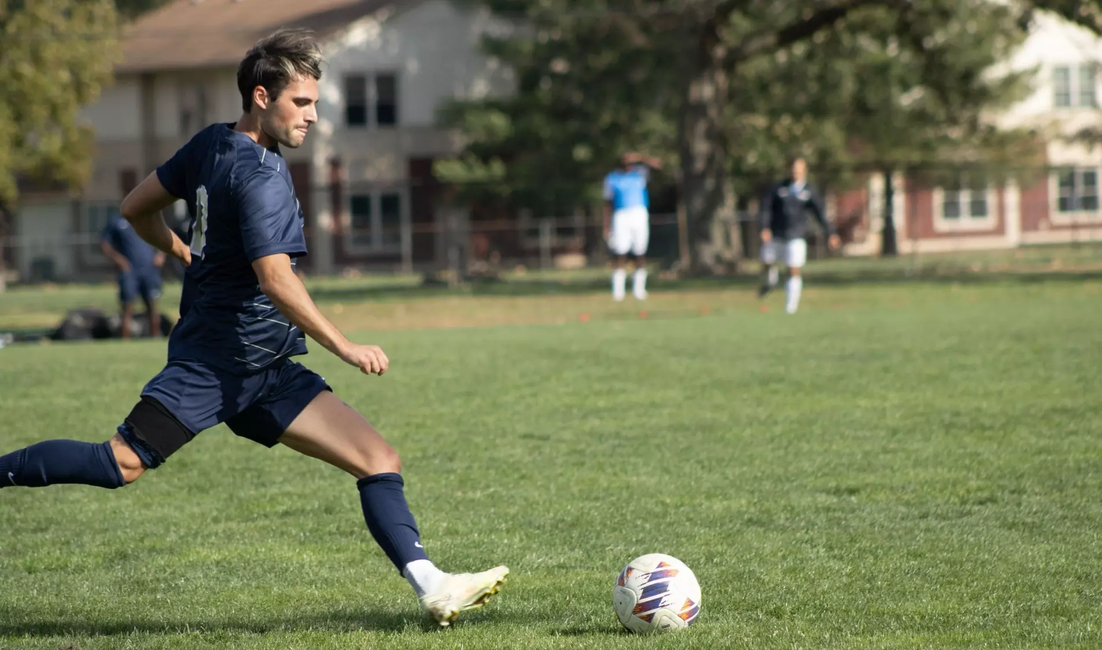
(655, 593)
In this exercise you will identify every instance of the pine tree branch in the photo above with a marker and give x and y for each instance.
(797, 31)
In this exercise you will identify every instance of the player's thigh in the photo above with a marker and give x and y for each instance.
(181, 401)
(330, 430)
(640, 237)
(619, 240)
(795, 253)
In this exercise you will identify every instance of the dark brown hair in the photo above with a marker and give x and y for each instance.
(277, 60)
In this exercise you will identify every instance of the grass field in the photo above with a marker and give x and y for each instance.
(900, 465)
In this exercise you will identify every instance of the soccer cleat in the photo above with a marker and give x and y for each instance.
(764, 290)
(462, 591)
(640, 295)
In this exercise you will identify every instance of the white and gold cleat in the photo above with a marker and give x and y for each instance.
(462, 591)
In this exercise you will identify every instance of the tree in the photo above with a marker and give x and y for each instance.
(925, 78)
(55, 55)
(722, 86)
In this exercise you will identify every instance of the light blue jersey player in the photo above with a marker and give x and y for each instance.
(627, 221)
(243, 316)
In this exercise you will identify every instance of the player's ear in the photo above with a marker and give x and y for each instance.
(261, 97)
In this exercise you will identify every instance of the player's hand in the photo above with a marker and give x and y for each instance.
(159, 259)
(124, 265)
(766, 236)
(370, 359)
(181, 251)
(835, 241)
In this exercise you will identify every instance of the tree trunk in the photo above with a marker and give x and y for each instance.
(704, 190)
(889, 247)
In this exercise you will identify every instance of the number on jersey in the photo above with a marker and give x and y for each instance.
(199, 229)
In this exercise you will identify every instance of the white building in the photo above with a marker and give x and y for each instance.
(1060, 205)
(364, 175)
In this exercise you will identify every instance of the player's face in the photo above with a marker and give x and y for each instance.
(799, 169)
(288, 118)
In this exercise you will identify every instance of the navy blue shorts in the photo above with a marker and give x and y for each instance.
(259, 407)
(139, 282)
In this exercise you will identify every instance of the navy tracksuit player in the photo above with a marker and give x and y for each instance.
(243, 316)
(784, 230)
(139, 267)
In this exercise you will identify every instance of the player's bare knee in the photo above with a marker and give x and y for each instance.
(381, 459)
(385, 459)
(128, 461)
(794, 271)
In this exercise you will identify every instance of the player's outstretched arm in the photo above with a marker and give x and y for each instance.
(635, 158)
(142, 208)
(286, 291)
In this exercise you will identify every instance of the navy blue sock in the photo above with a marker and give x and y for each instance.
(61, 461)
(389, 519)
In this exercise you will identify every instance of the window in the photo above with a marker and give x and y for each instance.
(355, 100)
(376, 221)
(94, 218)
(1061, 84)
(193, 109)
(371, 100)
(1074, 86)
(362, 230)
(386, 100)
(1078, 190)
(390, 211)
(1086, 86)
(964, 200)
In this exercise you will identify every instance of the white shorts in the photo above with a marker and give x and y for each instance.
(630, 231)
(792, 251)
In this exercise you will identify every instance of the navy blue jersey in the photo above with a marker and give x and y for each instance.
(784, 210)
(243, 207)
(122, 237)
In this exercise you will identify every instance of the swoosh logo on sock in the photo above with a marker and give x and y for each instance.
(417, 544)
(11, 477)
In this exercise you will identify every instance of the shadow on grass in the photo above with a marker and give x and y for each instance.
(336, 622)
(593, 631)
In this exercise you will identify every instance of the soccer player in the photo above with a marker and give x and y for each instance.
(139, 266)
(243, 314)
(784, 228)
(627, 221)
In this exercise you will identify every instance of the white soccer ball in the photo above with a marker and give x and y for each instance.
(656, 593)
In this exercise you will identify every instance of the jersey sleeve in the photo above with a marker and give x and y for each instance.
(173, 172)
(270, 222)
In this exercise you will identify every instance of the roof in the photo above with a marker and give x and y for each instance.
(186, 34)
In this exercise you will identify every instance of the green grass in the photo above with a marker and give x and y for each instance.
(914, 465)
(36, 308)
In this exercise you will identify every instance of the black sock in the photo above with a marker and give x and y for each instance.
(389, 519)
(61, 461)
